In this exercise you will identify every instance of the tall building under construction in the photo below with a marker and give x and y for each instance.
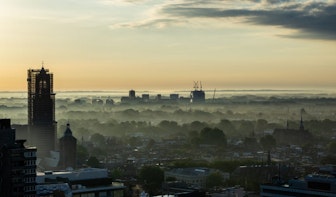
(42, 126)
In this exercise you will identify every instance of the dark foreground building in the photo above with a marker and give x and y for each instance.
(41, 111)
(321, 184)
(17, 164)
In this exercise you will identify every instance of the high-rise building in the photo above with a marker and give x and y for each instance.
(68, 147)
(17, 164)
(131, 94)
(41, 111)
(197, 95)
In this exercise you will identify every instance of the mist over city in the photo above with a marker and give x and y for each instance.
(127, 131)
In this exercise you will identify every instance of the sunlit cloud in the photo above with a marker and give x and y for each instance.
(310, 19)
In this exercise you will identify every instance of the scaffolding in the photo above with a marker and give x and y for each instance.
(42, 127)
(41, 98)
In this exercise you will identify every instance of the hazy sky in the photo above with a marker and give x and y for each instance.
(156, 44)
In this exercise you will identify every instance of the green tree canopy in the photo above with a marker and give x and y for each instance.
(213, 136)
(152, 178)
(268, 142)
(331, 147)
(98, 139)
(215, 179)
(82, 154)
(93, 162)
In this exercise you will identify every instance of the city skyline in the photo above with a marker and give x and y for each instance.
(147, 44)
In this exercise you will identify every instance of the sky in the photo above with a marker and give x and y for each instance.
(156, 44)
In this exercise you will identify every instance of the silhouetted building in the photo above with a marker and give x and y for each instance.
(197, 95)
(173, 96)
(17, 164)
(68, 147)
(131, 94)
(41, 111)
(287, 135)
(145, 97)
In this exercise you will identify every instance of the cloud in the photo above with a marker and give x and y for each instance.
(311, 18)
(123, 2)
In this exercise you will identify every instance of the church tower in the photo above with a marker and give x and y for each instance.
(42, 127)
(68, 148)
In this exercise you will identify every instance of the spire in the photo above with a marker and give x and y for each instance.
(68, 131)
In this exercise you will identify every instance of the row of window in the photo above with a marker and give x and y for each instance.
(30, 171)
(30, 154)
(30, 162)
(30, 180)
(29, 188)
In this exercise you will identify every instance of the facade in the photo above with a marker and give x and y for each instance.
(68, 147)
(41, 111)
(17, 164)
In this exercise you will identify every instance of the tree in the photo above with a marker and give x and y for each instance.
(215, 179)
(93, 162)
(98, 139)
(261, 125)
(82, 154)
(150, 144)
(331, 147)
(213, 136)
(268, 142)
(152, 178)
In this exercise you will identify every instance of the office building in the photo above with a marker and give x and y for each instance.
(197, 95)
(41, 111)
(17, 164)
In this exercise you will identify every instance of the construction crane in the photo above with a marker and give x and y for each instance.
(214, 94)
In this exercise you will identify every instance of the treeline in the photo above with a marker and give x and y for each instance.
(324, 129)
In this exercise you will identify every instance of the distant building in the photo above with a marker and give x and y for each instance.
(195, 177)
(287, 135)
(42, 127)
(68, 147)
(17, 164)
(174, 96)
(145, 97)
(131, 94)
(197, 95)
(109, 101)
